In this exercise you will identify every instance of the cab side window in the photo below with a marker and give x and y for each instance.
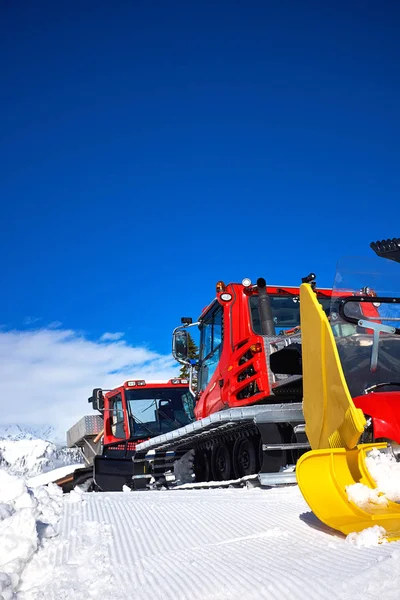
(117, 417)
(211, 345)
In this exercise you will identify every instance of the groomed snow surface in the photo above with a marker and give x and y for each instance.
(182, 544)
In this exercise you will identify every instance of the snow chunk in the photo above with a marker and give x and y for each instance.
(6, 587)
(385, 471)
(362, 495)
(26, 516)
(11, 487)
(50, 501)
(372, 536)
(18, 541)
(75, 495)
(5, 511)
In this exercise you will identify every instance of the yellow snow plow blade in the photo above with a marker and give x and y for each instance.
(332, 420)
(323, 476)
(333, 428)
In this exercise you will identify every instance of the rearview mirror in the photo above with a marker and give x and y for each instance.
(180, 346)
(97, 399)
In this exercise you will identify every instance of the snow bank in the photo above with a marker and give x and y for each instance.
(28, 458)
(26, 516)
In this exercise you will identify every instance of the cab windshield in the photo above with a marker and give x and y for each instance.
(155, 411)
(365, 319)
(285, 311)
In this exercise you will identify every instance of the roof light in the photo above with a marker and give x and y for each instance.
(135, 383)
(141, 382)
(131, 383)
(177, 381)
(221, 287)
(246, 282)
(226, 297)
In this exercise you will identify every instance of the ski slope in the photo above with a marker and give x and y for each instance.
(204, 544)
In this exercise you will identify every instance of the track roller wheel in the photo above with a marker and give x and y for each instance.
(245, 450)
(221, 464)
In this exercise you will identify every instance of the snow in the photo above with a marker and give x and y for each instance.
(26, 517)
(30, 457)
(235, 543)
(26, 432)
(368, 537)
(362, 495)
(205, 544)
(385, 471)
(50, 476)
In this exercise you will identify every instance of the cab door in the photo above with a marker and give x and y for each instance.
(118, 426)
(211, 340)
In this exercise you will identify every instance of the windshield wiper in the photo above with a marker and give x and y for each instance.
(174, 420)
(137, 420)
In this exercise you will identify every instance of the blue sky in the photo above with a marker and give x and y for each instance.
(149, 149)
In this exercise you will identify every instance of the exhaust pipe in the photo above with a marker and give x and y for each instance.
(264, 309)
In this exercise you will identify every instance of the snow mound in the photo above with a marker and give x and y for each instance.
(26, 517)
(28, 458)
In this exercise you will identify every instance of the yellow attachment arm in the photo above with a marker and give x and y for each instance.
(332, 420)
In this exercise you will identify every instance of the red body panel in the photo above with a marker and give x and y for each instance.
(384, 409)
(223, 388)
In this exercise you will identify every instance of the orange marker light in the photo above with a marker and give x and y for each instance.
(257, 347)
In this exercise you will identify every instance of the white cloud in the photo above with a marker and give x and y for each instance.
(111, 337)
(48, 374)
(31, 320)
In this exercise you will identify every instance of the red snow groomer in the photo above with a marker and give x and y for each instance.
(129, 414)
(247, 416)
